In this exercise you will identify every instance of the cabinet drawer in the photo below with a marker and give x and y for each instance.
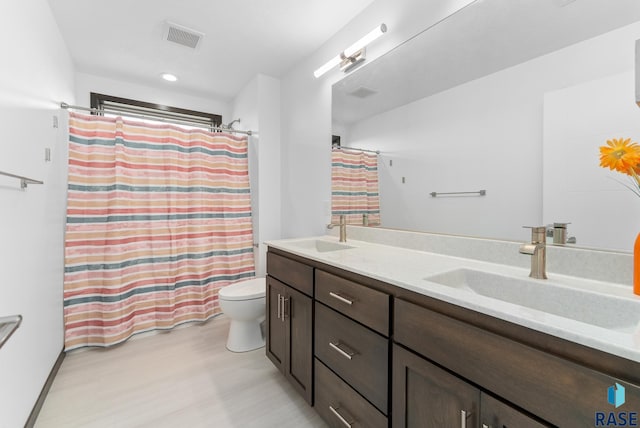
(357, 354)
(363, 304)
(559, 391)
(340, 406)
(291, 272)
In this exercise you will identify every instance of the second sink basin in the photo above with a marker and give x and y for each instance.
(606, 311)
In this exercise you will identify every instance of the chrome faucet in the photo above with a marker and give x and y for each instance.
(537, 249)
(343, 227)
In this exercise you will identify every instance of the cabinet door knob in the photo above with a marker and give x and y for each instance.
(345, 353)
(339, 416)
(341, 298)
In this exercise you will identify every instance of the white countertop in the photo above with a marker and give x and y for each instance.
(408, 269)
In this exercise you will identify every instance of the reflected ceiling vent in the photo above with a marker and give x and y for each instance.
(181, 35)
(362, 92)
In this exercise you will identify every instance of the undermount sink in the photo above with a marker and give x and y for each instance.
(320, 245)
(606, 311)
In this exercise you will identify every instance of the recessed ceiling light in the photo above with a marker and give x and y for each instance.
(169, 77)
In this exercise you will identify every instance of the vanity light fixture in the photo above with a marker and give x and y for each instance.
(354, 54)
(169, 77)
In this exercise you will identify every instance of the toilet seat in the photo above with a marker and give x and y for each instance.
(244, 290)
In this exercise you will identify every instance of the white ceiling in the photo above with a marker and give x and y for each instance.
(122, 39)
(484, 37)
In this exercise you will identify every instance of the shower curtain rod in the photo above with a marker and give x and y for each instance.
(66, 106)
(355, 148)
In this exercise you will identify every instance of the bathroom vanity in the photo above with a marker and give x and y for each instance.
(373, 336)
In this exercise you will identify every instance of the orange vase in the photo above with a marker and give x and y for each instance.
(636, 266)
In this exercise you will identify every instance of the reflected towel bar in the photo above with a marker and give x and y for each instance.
(7, 326)
(24, 181)
(478, 192)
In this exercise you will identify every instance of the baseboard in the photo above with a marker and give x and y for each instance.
(45, 390)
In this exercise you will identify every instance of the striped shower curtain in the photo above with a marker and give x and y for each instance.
(158, 220)
(354, 187)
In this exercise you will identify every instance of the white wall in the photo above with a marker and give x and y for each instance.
(472, 137)
(578, 119)
(258, 107)
(87, 83)
(245, 107)
(488, 134)
(36, 74)
(306, 108)
(603, 213)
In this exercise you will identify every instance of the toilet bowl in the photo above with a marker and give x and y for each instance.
(244, 304)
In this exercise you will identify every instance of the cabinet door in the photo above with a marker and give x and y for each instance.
(426, 396)
(496, 414)
(298, 315)
(276, 347)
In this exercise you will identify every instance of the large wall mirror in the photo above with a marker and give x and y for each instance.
(513, 97)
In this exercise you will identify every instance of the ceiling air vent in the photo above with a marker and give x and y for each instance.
(362, 92)
(182, 35)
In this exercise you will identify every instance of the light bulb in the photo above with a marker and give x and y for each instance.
(351, 50)
(374, 34)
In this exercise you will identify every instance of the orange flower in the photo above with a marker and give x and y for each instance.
(620, 155)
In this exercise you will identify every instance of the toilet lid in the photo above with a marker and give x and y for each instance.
(244, 290)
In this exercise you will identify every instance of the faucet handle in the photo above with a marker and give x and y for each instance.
(538, 234)
(561, 225)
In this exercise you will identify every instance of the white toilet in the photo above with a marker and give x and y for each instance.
(244, 303)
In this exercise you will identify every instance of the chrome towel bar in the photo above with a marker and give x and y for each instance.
(7, 326)
(24, 181)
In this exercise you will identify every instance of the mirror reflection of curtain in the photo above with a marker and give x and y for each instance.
(354, 187)
(158, 220)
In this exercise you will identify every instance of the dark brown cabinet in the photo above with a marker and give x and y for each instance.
(289, 321)
(276, 345)
(496, 414)
(427, 396)
(561, 392)
(352, 352)
(340, 405)
(360, 303)
(385, 356)
(289, 338)
(355, 353)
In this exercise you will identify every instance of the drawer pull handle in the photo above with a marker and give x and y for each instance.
(339, 416)
(342, 299)
(338, 347)
(463, 418)
(278, 305)
(284, 307)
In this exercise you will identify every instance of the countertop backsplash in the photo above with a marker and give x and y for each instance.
(592, 264)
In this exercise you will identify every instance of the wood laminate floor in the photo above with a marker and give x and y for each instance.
(182, 378)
